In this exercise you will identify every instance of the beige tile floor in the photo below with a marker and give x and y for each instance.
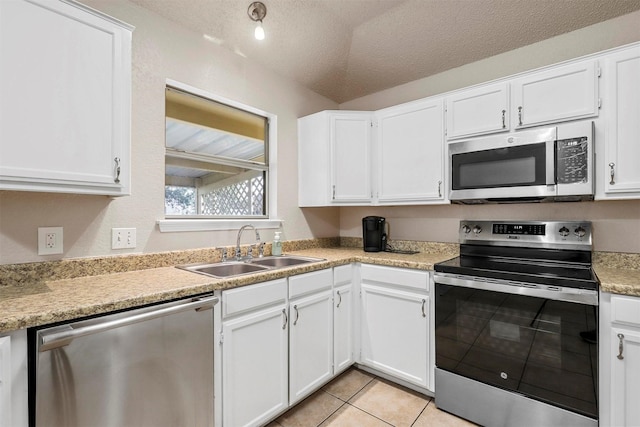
(359, 399)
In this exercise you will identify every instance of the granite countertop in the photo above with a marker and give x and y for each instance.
(51, 301)
(115, 283)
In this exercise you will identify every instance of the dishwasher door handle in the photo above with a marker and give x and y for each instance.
(60, 338)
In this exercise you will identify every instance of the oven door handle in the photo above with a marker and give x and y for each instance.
(580, 296)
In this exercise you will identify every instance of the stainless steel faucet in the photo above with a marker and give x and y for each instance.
(249, 254)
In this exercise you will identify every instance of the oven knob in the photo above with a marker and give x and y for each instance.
(466, 229)
(580, 232)
(564, 231)
(477, 229)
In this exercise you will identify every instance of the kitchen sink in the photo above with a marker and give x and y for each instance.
(283, 261)
(224, 269)
(255, 265)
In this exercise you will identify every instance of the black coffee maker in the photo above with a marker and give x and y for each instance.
(374, 237)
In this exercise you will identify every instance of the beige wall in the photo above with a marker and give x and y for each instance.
(616, 223)
(162, 50)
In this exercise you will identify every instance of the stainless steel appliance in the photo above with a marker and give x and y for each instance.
(516, 325)
(151, 366)
(547, 164)
(374, 236)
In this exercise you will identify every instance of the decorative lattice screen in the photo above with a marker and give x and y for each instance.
(241, 199)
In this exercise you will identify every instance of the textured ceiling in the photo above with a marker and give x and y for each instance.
(344, 49)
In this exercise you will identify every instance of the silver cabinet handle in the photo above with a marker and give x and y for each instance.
(339, 299)
(295, 322)
(424, 302)
(333, 196)
(612, 172)
(620, 346)
(284, 314)
(519, 116)
(439, 188)
(117, 178)
(504, 119)
(49, 341)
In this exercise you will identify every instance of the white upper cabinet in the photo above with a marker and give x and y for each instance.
(478, 111)
(410, 151)
(65, 79)
(558, 94)
(334, 158)
(617, 172)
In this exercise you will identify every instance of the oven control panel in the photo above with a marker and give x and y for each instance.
(552, 234)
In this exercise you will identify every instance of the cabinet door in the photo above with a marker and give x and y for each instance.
(625, 377)
(343, 342)
(394, 333)
(65, 105)
(310, 344)
(478, 111)
(411, 153)
(351, 157)
(254, 369)
(5, 381)
(559, 94)
(619, 171)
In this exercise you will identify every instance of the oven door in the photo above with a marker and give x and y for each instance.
(539, 347)
(515, 166)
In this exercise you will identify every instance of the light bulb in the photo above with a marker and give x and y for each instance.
(259, 32)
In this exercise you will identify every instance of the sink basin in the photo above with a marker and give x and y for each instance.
(256, 265)
(283, 261)
(224, 269)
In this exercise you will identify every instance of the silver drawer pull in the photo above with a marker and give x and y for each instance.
(519, 116)
(295, 322)
(339, 299)
(117, 178)
(424, 302)
(612, 172)
(504, 121)
(620, 346)
(284, 314)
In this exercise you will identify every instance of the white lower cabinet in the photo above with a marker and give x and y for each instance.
(343, 318)
(395, 322)
(255, 353)
(620, 360)
(13, 379)
(310, 333)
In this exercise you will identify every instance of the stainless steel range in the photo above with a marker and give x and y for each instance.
(516, 325)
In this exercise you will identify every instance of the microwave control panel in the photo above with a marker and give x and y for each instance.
(572, 160)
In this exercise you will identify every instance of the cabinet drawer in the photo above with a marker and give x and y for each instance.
(343, 275)
(625, 310)
(252, 297)
(415, 279)
(310, 282)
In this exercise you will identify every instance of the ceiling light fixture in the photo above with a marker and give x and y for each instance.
(257, 11)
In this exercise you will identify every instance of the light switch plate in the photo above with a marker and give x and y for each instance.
(50, 240)
(123, 238)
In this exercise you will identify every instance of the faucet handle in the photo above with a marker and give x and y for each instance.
(250, 252)
(261, 250)
(223, 254)
(238, 253)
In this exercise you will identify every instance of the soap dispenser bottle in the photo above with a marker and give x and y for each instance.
(276, 247)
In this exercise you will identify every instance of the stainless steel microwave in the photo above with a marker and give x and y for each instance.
(546, 164)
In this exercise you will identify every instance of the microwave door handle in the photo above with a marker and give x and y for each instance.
(550, 156)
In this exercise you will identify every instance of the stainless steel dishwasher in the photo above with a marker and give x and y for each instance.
(151, 366)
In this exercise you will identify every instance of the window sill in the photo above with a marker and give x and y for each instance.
(179, 225)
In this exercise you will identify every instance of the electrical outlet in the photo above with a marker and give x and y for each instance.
(123, 238)
(50, 240)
